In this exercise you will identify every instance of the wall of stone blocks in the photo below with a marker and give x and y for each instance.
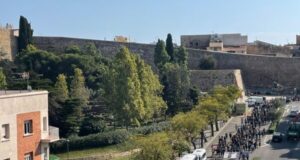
(258, 72)
(8, 43)
(205, 80)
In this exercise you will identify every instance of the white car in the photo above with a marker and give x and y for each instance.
(201, 154)
(189, 157)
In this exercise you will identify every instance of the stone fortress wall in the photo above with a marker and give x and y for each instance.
(8, 42)
(259, 72)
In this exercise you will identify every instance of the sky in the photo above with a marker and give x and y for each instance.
(144, 21)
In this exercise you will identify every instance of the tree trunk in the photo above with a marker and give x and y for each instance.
(216, 123)
(212, 128)
(194, 144)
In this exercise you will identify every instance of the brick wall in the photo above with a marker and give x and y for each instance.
(30, 143)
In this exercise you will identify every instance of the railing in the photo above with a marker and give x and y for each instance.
(53, 135)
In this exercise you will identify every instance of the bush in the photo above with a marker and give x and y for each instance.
(155, 127)
(92, 125)
(207, 63)
(91, 141)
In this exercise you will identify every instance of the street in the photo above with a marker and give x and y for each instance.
(285, 149)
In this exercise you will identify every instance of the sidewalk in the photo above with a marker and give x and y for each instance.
(227, 128)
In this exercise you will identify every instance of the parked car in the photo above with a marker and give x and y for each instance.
(277, 137)
(294, 113)
(189, 157)
(200, 153)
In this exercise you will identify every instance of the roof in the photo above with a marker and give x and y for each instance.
(14, 93)
(233, 39)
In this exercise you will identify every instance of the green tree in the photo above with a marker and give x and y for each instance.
(214, 111)
(175, 79)
(189, 125)
(91, 49)
(181, 56)
(25, 34)
(125, 92)
(161, 56)
(207, 63)
(155, 147)
(151, 90)
(3, 83)
(61, 88)
(77, 88)
(91, 125)
(133, 90)
(170, 47)
(72, 117)
(73, 49)
(194, 95)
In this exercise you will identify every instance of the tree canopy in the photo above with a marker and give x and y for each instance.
(25, 34)
(134, 90)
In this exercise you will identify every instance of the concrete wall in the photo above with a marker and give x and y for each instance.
(8, 43)
(13, 104)
(258, 72)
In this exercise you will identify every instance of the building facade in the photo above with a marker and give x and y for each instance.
(233, 43)
(25, 132)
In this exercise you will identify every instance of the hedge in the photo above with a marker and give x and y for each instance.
(155, 127)
(91, 141)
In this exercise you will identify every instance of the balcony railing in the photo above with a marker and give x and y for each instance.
(53, 135)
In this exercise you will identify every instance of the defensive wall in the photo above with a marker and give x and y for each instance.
(8, 42)
(259, 72)
(207, 79)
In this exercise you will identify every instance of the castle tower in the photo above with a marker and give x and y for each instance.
(8, 42)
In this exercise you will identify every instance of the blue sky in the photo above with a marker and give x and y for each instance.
(274, 21)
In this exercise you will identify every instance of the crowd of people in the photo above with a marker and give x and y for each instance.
(248, 135)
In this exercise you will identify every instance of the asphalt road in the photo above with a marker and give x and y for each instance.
(285, 149)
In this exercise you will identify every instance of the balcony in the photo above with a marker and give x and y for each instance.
(53, 135)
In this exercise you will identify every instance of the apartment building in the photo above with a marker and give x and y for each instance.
(233, 43)
(24, 129)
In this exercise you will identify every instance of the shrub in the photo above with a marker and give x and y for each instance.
(92, 125)
(207, 63)
(155, 127)
(91, 141)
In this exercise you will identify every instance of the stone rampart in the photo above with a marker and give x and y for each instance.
(258, 72)
(207, 79)
(8, 43)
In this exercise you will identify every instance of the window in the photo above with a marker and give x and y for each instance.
(28, 156)
(5, 132)
(45, 124)
(46, 153)
(28, 127)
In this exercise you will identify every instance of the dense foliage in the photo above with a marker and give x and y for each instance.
(207, 63)
(25, 33)
(133, 90)
(91, 141)
(3, 83)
